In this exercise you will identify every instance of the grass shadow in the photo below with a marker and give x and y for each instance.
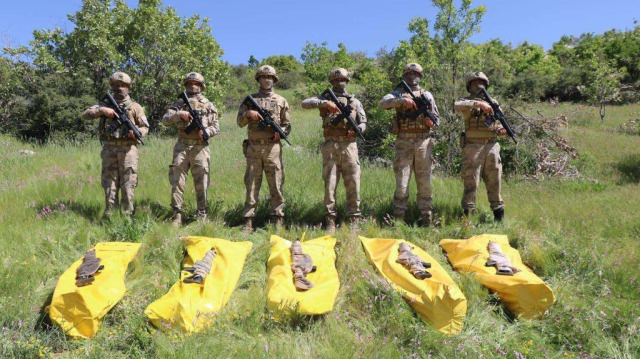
(288, 319)
(629, 168)
(43, 322)
(90, 211)
(155, 208)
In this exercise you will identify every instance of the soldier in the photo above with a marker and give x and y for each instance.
(339, 150)
(119, 152)
(263, 149)
(190, 150)
(481, 150)
(413, 146)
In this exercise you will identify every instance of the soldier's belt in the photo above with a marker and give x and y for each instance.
(190, 141)
(481, 140)
(340, 138)
(412, 135)
(265, 141)
(120, 143)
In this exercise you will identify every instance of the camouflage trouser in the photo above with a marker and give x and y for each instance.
(119, 172)
(341, 158)
(267, 158)
(481, 160)
(412, 155)
(195, 157)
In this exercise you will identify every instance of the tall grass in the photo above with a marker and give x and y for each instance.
(581, 236)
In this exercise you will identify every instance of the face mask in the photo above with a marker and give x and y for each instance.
(120, 92)
(193, 88)
(339, 85)
(266, 82)
(412, 79)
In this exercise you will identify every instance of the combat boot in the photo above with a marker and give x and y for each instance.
(201, 215)
(248, 225)
(498, 214)
(177, 220)
(330, 225)
(426, 219)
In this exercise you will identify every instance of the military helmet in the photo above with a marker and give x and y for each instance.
(266, 70)
(479, 75)
(413, 67)
(339, 73)
(195, 76)
(120, 76)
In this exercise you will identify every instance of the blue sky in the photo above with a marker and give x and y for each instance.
(263, 28)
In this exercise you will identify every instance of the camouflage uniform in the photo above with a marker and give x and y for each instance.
(190, 151)
(119, 153)
(481, 152)
(413, 151)
(339, 152)
(262, 152)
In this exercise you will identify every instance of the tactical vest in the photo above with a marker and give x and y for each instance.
(474, 126)
(199, 106)
(122, 131)
(406, 124)
(342, 127)
(270, 104)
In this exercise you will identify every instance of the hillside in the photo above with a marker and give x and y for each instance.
(580, 235)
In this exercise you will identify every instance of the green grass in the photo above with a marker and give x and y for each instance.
(581, 236)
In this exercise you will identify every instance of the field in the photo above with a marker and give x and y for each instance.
(581, 236)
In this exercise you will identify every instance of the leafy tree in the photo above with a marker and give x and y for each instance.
(162, 47)
(152, 43)
(454, 26)
(318, 61)
(253, 62)
(374, 85)
(289, 70)
(605, 85)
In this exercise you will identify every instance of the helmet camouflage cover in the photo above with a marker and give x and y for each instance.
(194, 76)
(120, 76)
(266, 70)
(413, 67)
(339, 73)
(479, 75)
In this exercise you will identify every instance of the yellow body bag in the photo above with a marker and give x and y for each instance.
(79, 310)
(190, 306)
(524, 293)
(437, 300)
(281, 291)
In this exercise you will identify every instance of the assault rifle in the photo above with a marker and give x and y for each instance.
(196, 122)
(345, 112)
(497, 115)
(267, 120)
(422, 103)
(121, 119)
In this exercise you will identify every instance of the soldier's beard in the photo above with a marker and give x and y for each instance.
(120, 93)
